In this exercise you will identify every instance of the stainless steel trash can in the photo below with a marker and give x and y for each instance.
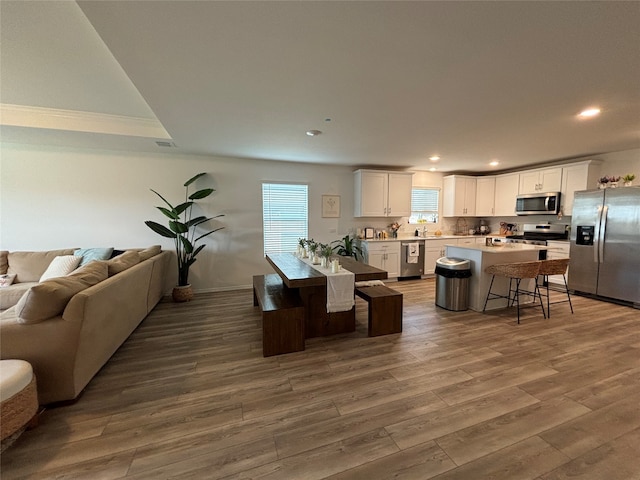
(452, 283)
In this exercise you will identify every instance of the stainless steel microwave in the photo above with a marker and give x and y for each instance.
(538, 204)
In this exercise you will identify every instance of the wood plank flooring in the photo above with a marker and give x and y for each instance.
(457, 395)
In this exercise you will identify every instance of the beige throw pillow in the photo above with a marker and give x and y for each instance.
(147, 253)
(49, 298)
(120, 263)
(61, 266)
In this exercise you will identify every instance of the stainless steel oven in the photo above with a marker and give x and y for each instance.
(538, 234)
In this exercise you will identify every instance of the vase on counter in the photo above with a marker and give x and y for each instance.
(394, 234)
(628, 184)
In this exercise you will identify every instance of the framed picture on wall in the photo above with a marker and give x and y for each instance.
(330, 206)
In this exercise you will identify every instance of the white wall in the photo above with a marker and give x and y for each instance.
(54, 198)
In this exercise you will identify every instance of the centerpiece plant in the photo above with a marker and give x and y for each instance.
(347, 247)
(182, 228)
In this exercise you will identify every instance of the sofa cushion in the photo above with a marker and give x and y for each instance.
(49, 298)
(29, 266)
(9, 296)
(4, 261)
(60, 266)
(90, 254)
(149, 252)
(120, 263)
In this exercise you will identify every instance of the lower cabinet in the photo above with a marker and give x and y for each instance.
(556, 250)
(384, 255)
(433, 250)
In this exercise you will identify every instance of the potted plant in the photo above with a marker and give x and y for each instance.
(347, 247)
(313, 251)
(628, 179)
(182, 229)
(325, 253)
(614, 181)
(602, 183)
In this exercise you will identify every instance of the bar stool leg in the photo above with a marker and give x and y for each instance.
(517, 298)
(488, 293)
(566, 288)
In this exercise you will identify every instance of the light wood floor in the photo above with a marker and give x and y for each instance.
(455, 396)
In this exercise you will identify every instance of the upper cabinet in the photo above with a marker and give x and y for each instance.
(382, 194)
(576, 177)
(506, 193)
(542, 180)
(485, 193)
(458, 196)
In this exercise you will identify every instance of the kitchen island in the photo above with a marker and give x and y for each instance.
(481, 257)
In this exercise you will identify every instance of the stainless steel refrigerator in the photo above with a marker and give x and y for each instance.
(605, 243)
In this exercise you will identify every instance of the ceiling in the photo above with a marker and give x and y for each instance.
(388, 83)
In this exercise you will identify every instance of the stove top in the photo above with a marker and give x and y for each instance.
(538, 234)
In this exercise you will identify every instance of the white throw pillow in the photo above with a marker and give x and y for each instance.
(61, 266)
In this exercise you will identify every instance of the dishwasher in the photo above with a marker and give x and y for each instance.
(411, 259)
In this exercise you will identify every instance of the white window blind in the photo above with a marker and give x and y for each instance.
(284, 216)
(424, 205)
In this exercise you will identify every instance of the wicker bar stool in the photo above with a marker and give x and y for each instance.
(515, 272)
(555, 267)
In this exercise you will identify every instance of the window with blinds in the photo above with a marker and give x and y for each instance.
(284, 216)
(424, 205)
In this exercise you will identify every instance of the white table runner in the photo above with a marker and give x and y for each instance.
(340, 288)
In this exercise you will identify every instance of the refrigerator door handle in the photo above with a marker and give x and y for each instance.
(603, 228)
(596, 236)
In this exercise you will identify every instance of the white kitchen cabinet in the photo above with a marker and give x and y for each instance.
(380, 193)
(433, 250)
(541, 180)
(576, 177)
(485, 196)
(555, 250)
(384, 255)
(505, 197)
(459, 196)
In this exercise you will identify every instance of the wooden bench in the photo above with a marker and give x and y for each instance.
(385, 309)
(282, 315)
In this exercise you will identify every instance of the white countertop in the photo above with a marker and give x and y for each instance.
(505, 248)
(406, 238)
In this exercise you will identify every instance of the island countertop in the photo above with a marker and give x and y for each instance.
(503, 248)
(481, 257)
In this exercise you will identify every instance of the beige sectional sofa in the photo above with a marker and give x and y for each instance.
(68, 327)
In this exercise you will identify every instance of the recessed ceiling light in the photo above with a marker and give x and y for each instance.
(434, 158)
(432, 169)
(313, 133)
(589, 112)
(494, 163)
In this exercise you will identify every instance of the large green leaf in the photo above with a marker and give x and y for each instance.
(188, 248)
(163, 199)
(193, 179)
(160, 229)
(196, 221)
(197, 251)
(178, 227)
(182, 207)
(169, 213)
(205, 192)
(208, 233)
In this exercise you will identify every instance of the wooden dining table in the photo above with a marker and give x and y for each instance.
(311, 285)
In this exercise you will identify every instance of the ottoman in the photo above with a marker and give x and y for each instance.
(18, 396)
